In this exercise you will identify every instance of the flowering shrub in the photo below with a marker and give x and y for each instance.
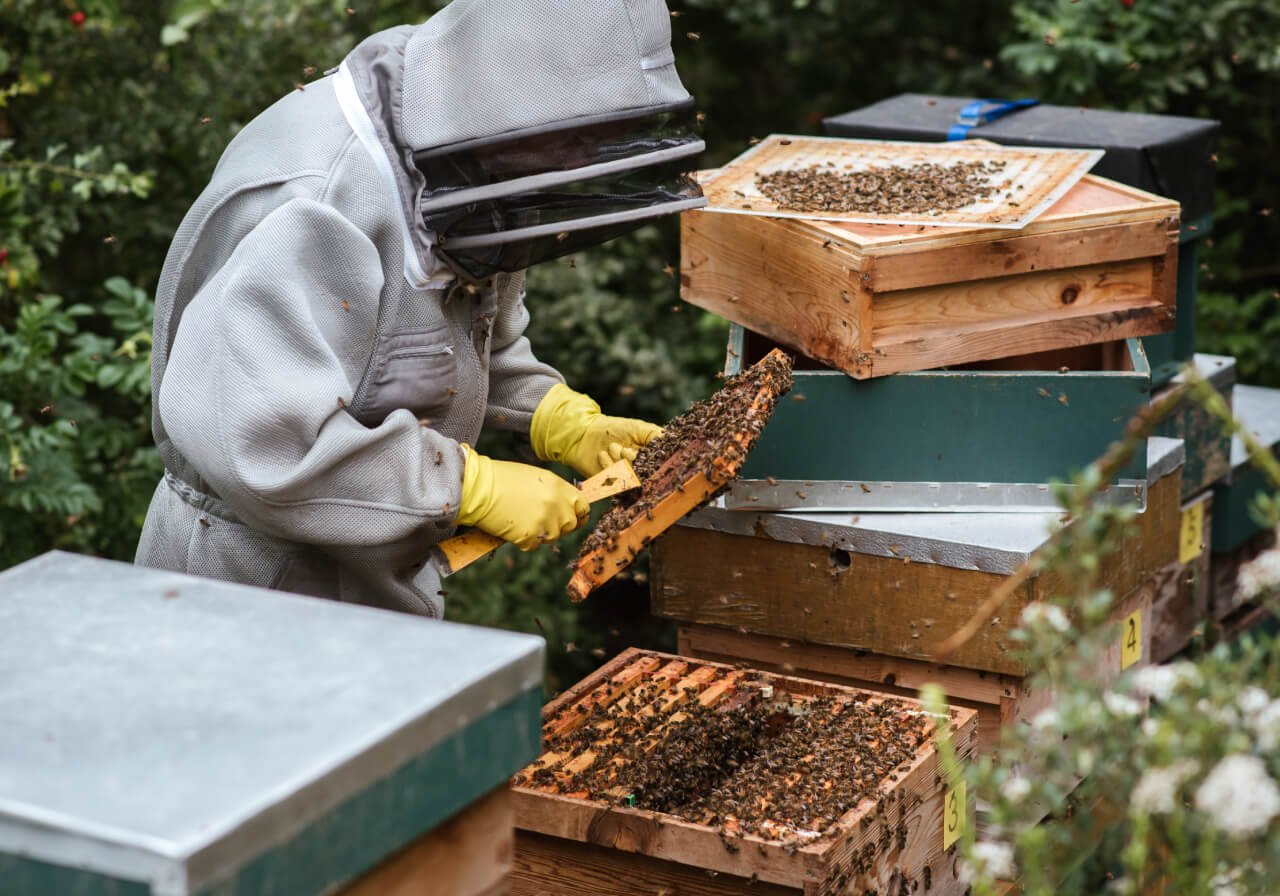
(1169, 776)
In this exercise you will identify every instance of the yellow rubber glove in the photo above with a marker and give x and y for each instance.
(519, 503)
(569, 428)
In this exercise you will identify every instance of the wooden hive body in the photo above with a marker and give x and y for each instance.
(864, 600)
(571, 845)
(875, 299)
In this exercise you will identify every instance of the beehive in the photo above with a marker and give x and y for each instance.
(866, 598)
(874, 299)
(665, 772)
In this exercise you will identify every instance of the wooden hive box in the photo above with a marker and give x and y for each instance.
(864, 599)
(989, 436)
(874, 299)
(1208, 440)
(570, 843)
(166, 734)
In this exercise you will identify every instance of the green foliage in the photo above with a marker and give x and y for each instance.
(1181, 57)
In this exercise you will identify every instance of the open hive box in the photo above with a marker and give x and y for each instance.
(873, 299)
(983, 436)
(665, 773)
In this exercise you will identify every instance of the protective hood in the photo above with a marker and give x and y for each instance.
(518, 130)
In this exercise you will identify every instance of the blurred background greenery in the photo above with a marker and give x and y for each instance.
(114, 112)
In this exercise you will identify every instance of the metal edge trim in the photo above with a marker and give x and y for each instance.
(793, 495)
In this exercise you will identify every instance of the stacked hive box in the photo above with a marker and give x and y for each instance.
(1174, 157)
(171, 735)
(864, 600)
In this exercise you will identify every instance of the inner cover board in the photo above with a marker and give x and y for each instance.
(1032, 179)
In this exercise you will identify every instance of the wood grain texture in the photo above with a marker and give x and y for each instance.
(884, 840)
(872, 299)
(469, 855)
(1000, 700)
(1180, 606)
(552, 866)
(778, 278)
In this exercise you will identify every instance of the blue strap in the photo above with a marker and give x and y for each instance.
(981, 112)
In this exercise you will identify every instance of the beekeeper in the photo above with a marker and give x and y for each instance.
(342, 310)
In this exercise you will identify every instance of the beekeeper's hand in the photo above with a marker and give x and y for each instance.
(568, 427)
(519, 503)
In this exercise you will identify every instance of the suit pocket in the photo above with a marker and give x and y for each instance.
(412, 369)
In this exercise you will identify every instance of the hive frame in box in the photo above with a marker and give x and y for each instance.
(636, 851)
(843, 422)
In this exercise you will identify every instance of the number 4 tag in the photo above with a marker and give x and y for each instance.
(1131, 640)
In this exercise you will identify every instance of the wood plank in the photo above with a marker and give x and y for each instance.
(469, 855)
(1181, 604)
(797, 285)
(797, 591)
(551, 866)
(1091, 288)
(1021, 254)
(938, 346)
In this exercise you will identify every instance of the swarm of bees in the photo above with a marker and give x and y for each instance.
(924, 188)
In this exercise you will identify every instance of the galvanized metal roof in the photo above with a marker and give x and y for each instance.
(159, 727)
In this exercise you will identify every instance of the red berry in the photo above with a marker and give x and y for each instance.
(77, 18)
(4, 256)
(1126, 3)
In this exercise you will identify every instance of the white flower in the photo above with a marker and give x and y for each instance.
(1260, 575)
(1150, 727)
(1045, 720)
(1120, 705)
(991, 859)
(1157, 789)
(1051, 614)
(1016, 789)
(1239, 796)
(1253, 700)
(1266, 726)
(1161, 681)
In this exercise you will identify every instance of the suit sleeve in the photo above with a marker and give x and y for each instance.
(255, 391)
(517, 380)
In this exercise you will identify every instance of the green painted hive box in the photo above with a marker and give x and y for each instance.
(987, 437)
(1208, 440)
(1258, 409)
(168, 736)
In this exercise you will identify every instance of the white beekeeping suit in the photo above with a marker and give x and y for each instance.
(343, 307)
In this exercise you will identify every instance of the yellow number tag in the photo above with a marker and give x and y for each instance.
(953, 816)
(1191, 533)
(1131, 641)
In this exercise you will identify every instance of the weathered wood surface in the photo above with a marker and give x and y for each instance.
(879, 299)
(469, 855)
(1001, 700)
(1180, 607)
(879, 604)
(878, 844)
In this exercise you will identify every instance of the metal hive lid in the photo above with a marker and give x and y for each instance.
(164, 728)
